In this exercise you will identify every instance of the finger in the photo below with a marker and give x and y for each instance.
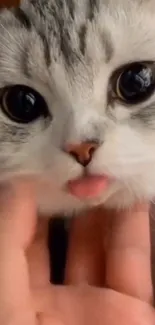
(128, 267)
(38, 257)
(17, 212)
(85, 262)
(89, 305)
(17, 224)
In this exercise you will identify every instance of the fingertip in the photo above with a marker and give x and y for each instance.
(140, 207)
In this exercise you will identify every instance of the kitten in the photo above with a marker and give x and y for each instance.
(77, 99)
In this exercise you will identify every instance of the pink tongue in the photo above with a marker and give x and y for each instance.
(88, 186)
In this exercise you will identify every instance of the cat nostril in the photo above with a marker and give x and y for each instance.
(74, 155)
(81, 160)
(82, 152)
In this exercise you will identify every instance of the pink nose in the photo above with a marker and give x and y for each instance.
(82, 152)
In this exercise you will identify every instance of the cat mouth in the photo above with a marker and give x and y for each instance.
(88, 186)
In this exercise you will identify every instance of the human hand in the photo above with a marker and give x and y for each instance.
(110, 251)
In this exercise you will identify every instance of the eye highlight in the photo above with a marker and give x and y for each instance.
(135, 83)
(22, 104)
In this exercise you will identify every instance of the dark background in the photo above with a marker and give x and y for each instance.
(8, 3)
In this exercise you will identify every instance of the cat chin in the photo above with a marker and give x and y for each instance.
(53, 200)
(68, 206)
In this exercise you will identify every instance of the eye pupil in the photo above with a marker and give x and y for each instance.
(23, 104)
(135, 84)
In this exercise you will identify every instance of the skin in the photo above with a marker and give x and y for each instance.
(110, 252)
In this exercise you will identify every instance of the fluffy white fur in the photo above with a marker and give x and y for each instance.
(77, 100)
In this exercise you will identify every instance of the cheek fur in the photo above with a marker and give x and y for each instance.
(128, 156)
(124, 154)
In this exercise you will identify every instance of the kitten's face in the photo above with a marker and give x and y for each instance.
(71, 53)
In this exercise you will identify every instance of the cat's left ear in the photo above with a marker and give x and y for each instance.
(24, 3)
(27, 4)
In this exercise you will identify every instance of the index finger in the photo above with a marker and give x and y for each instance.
(17, 212)
(17, 224)
(128, 263)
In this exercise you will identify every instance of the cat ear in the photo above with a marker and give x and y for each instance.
(24, 3)
(30, 5)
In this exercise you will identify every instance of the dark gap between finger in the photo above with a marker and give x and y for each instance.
(58, 245)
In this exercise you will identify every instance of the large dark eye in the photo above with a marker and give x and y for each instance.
(23, 104)
(135, 83)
